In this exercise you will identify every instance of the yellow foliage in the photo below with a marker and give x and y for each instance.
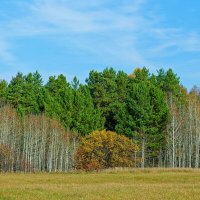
(105, 149)
(136, 71)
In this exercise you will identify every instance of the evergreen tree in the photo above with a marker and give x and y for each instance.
(108, 89)
(24, 92)
(58, 96)
(143, 114)
(3, 91)
(72, 105)
(16, 92)
(86, 118)
(176, 101)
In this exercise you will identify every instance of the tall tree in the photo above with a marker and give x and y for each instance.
(169, 82)
(24, 92)
(58, 96)
(3, 91)
(143, 114)
(72, 105)
(108, 90)
(86, 118)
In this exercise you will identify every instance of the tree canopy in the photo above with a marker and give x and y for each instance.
(150, 109)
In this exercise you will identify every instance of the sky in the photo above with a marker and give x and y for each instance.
(73, 37)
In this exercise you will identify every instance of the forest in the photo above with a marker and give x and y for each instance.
(43, 125)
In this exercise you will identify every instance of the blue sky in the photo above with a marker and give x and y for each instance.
(73, 37)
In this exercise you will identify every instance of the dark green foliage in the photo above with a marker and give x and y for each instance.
(103, 88)
(108, 90)
(58, 97)
(169, 83)
(24, 93)
(135, 105)
(15, 90)
(72, 105)
(144, 113)
(3, 91)
(85, 117)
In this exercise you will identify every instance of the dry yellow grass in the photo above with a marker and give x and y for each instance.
(149, 184)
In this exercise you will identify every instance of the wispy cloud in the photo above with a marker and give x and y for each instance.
(114, 30)
(105, 28)
(174, 41)
(64, 19)
(74, 19)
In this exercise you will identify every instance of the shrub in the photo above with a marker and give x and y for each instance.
(105, 149)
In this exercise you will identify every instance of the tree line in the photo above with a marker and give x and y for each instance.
(153, 110)
(34, 143)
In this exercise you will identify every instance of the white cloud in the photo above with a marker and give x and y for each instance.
(101, 27)
(174, 41)
(63, 19)
(70, 19)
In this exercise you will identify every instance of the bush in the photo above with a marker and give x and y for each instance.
(105, 149)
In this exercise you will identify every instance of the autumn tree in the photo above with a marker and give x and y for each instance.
(106, 149)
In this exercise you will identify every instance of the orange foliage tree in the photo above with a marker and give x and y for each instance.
(105, 149)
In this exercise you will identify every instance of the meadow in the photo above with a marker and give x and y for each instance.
(107, 185)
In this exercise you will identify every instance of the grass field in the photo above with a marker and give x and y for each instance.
(109, 185)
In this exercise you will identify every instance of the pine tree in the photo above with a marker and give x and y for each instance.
(108, 90)
(143, 114)
(3, 91)
(169, 82)
(58, 102)
(24, 93)
(86, 118)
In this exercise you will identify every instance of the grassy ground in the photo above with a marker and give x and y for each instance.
(109, 185)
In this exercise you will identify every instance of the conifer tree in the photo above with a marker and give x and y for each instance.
(3, 91)
(58, 96)
(143, 114)
(86, 118)
(108, 90)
